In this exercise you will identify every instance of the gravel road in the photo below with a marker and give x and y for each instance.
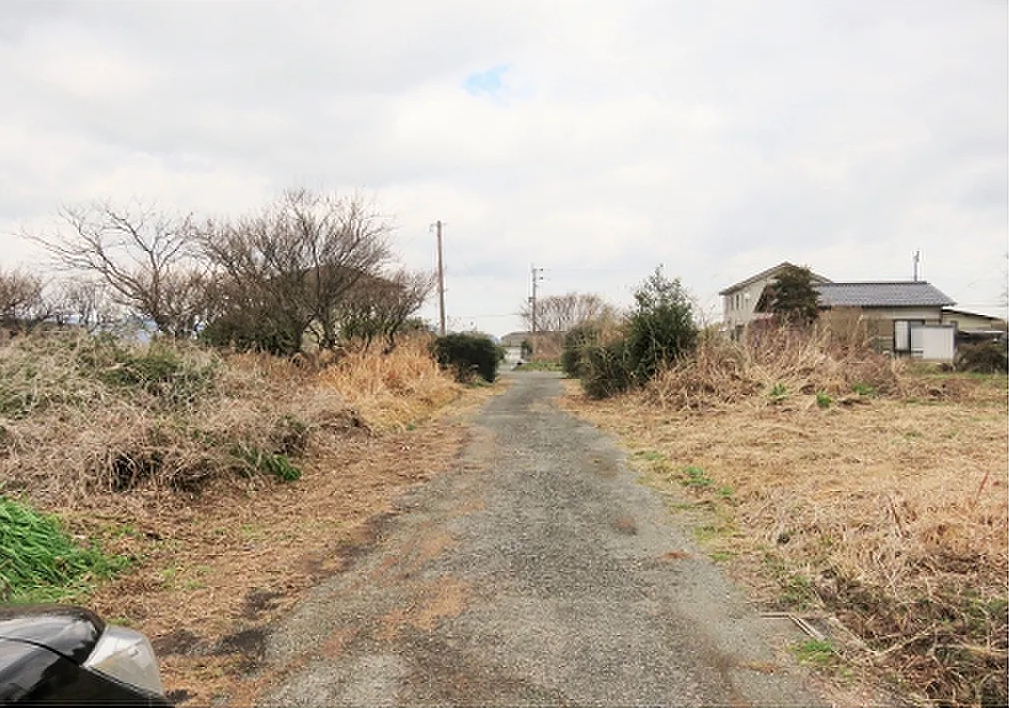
(538, 571)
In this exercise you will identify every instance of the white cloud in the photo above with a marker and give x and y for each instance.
(717, 138)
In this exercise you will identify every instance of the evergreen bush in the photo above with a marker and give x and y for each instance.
(661, 328)
(607, 369)
(468, 356)
(577, 342)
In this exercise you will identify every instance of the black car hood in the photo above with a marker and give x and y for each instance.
(70, 631)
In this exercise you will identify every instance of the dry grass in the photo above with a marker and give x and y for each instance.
(393, 391)
(775, 365)
(891, 515)
(218, 555)
(215, 572)
(770, 366)
(81, 416)
(174, 417)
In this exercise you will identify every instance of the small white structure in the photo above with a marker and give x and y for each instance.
(931, 342)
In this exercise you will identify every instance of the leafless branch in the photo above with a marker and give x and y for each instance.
(142, 256)
(287, 270)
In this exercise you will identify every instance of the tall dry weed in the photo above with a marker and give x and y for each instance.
(783, 362)
(81, 415)
(392, 390)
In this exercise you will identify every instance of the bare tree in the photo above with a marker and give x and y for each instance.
(22, 304)
(143, 256)
(380, 307)
(560, 313)
(287, 270)
(84, 303)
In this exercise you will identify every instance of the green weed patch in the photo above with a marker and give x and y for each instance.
(40, 563)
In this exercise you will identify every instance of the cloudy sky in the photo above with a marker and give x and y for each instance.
(595, 139)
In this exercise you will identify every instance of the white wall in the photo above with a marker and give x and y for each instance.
(933, 342)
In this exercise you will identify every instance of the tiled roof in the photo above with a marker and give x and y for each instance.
(903, 294)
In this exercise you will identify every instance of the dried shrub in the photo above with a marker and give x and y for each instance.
(393, 390)
(722, 372)
(82, 415)
(983, 357)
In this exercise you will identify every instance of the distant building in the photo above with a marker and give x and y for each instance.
(739, 301)
(910, 318)
(512, 343)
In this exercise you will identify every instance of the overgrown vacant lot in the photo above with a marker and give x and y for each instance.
(883, 507)
(227, 484)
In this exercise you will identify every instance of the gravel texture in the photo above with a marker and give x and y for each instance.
(537, 572)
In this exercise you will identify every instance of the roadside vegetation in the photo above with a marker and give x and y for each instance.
(172, 487)
(841, 484)
(41, 563)
(611, 356)
(199, 420)
(469, 356)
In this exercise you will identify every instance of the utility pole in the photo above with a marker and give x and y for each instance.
(537, 276)
(441, 281)
(917, 257)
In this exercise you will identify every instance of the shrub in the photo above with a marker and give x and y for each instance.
(253, 329)
(160, 370)
(983, 358)
(661, 329)
(468, 356)
(57, 368)
(164, 415)
(577, 342)
(607, 369)
(527, 349)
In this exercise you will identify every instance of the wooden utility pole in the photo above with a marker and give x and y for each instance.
(441, 281)
(536, 278)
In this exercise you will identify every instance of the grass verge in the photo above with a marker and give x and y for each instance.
(889, 516)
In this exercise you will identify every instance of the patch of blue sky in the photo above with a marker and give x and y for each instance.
(486, 83)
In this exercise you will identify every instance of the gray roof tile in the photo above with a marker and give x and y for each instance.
(903, 294)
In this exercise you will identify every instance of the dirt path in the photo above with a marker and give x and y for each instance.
(536, 572)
